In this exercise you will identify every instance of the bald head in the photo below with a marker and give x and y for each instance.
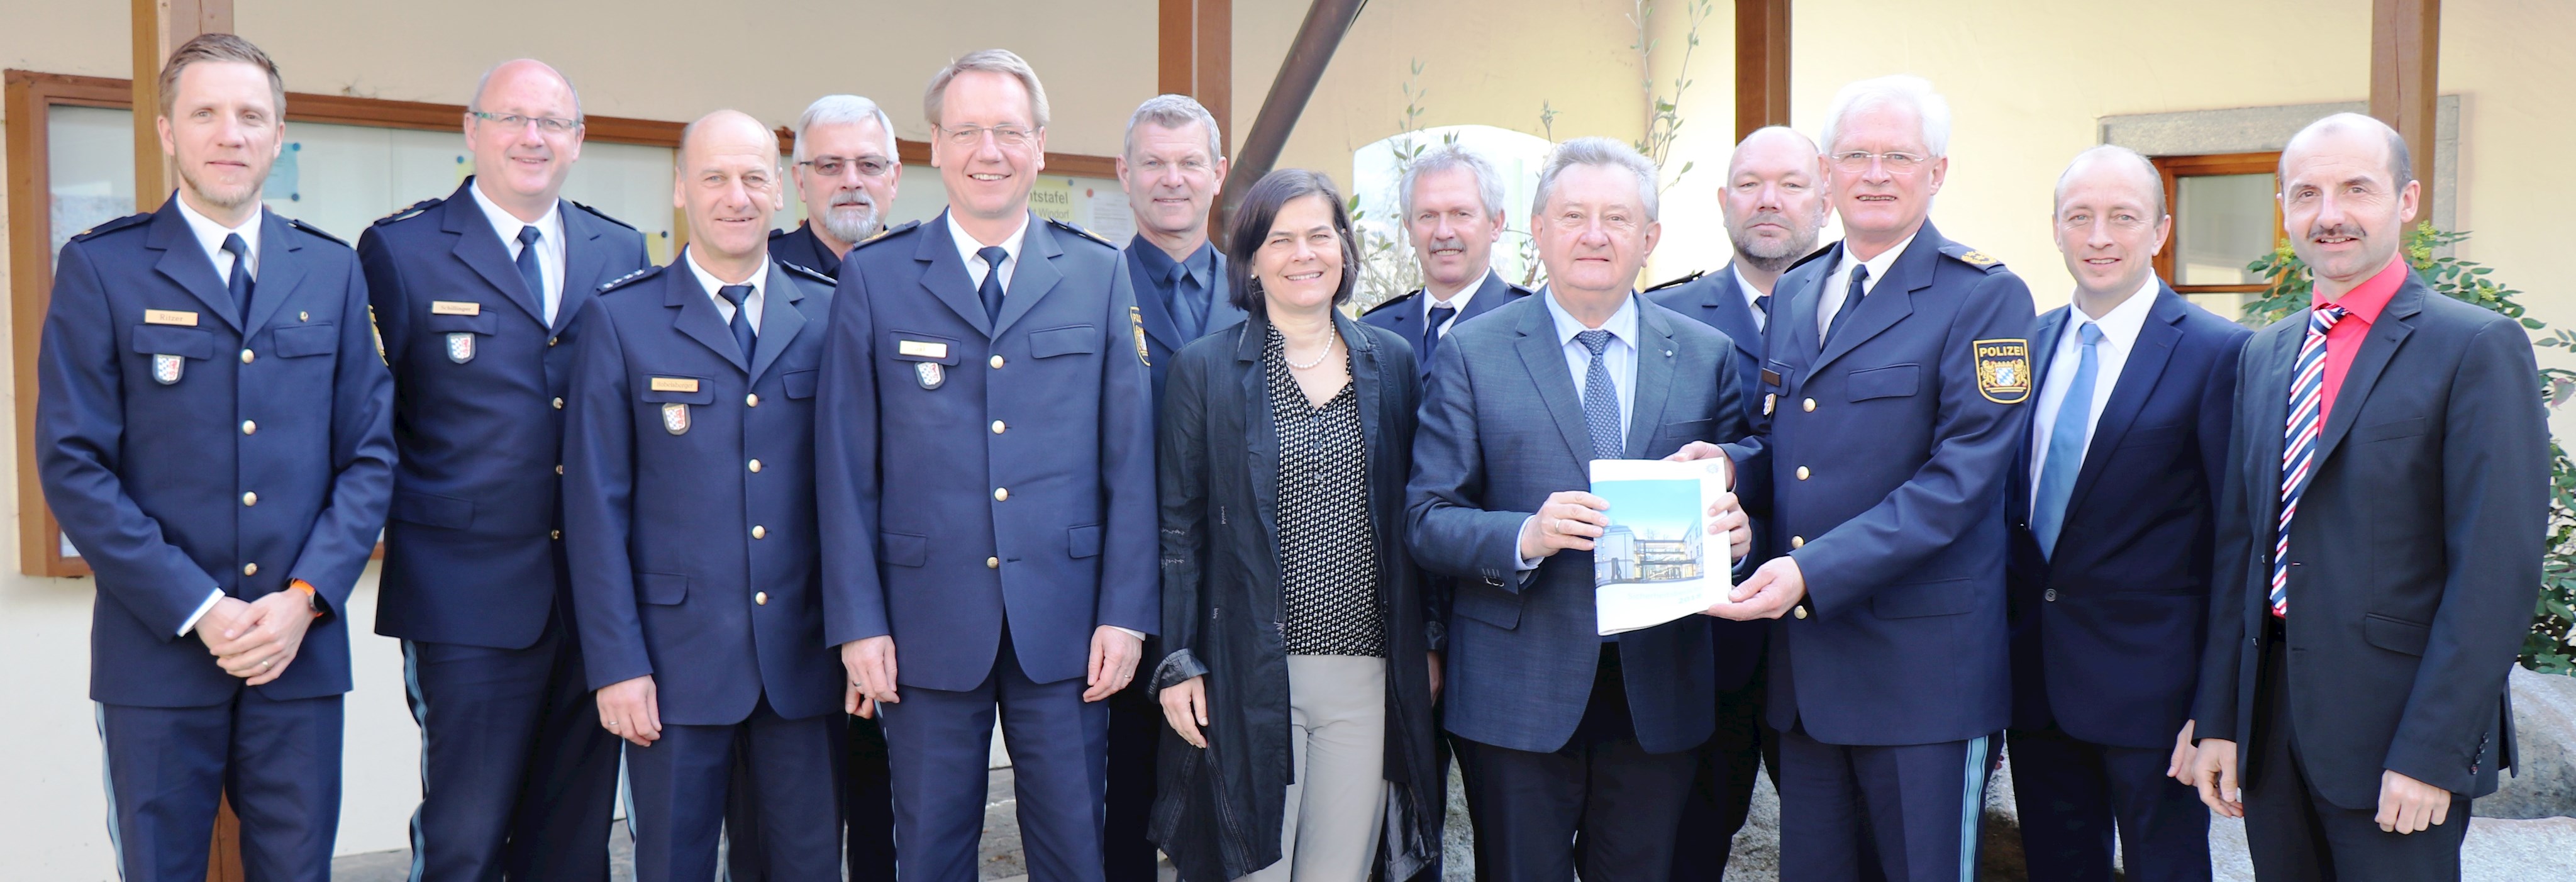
(524, 130)
(526, 73)
(2353, 132)
(725, 130)
(1771, 144)
(729, 186)
(1773, 201)
(2114, 165)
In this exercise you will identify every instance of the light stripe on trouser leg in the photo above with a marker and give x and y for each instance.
(107, 775)
(1972, 806)
(419, 717)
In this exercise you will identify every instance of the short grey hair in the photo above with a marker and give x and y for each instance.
(1601, 152)
(476, 103)
(1001, 61)
(833, 110)
(1904, 90)
(2114, 153)
(1489, 183)
(1172, 112)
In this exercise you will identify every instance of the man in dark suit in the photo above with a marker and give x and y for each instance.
(2111, 497)
(690, 503)
(987, 486)
(2383, 521)
(214, 433)
(1774, 206)
(475, 295)
(847, 173)
(1576, 748)
(1893, 383)
(1452, 203)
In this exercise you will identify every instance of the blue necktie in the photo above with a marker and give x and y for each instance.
(2065, 446)
(1188, 306)
(528, 271)
(991, 290)
(1600, 398)
(239, 281)
(741, 324)
(1440, 315)
(1851, 303)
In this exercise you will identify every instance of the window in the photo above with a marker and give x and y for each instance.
(1386, 255)
(2224, 217)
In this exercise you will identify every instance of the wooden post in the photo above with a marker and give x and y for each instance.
(2405, 49)
(161, 26)
(1308, 54)
(1761, 65)
(1195, 57)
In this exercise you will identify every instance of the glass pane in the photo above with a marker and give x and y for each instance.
(2222, 223)
(89, 157)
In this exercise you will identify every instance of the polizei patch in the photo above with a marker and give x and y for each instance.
(2003, 370)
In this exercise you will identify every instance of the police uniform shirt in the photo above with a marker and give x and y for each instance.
(1620, 358)
(1761, 317)
(967, 246)
(724, 308)
(1459, 301)
(2120, 329)
(1154, 268)
(1838, 285)
(550, 245)
(211, 234)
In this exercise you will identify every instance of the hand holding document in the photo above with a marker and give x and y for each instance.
(1656, 561)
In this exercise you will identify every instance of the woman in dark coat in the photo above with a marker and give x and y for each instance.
(1298, 678)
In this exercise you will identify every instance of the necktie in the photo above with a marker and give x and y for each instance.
(991, 290)
(1851, 301)
(1188, 308)
(1762, 304)
(2065, 446)
(239, 281)
(741, 324)
(1600, 398)
(2299, 442)
(528, 271)
(1440, 315)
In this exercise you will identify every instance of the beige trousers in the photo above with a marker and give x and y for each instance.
(1337, 722)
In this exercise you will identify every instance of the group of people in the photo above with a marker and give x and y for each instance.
(787, 525)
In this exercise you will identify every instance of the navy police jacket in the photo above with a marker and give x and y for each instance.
(1403, 314)
(689, 497)
(183, 452)
(1883, 469)
(470, 553)
(977, 472)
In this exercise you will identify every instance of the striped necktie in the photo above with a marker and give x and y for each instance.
(2299, 443)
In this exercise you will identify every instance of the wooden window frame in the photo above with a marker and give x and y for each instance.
(2173, 169)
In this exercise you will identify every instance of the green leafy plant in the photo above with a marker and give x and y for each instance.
(1663, 113)
(2550, 647)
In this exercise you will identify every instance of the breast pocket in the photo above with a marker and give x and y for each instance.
(167, 350)
(459, 336)
(1893, 381)
(1067, 340)
(800, 384)
(304, 341)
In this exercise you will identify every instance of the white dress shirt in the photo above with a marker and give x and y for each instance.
(550, 245)
(1761, 318)
(1839, 283)
(1620, 358)
(211, 235)
(751, 303)
(2120, 329)
(1456, 301)
(975, 268)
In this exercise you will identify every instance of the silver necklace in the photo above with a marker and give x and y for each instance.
(1330, 341)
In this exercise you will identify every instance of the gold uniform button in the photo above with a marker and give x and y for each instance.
(303, 316)
(247, 356)
(250, 569)
(992, 563)
(550, 341)
(751, 401)
(1808, 405)
(250, 499)
(555, 534)
(250, 427)
(755, 465)
(1001, 494)
(760, 597)
(1802, 612)
(1802, 473)
(997, 362)
(558, 404)
(998, 427)
(1797, 542)
(759, 532)
(558, 468)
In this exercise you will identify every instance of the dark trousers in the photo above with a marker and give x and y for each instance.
(1135, 728)
(939, 743)
(679, 788)
(517, 778)
(1721, 791)
(1919, 806)
(168, 767)
(2073, 795)
(1600, 804)
(867, 811)
(2295, 835)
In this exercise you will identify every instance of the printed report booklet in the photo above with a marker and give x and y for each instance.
(1656, 561)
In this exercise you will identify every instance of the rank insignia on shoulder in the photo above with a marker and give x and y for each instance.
(675, 418)
(612, 284)
(166, 369)
(1069, 226)
(409, 210)
(1977, 258)
(2003, 369)
(1136, 320)
(1674, 283)
(889, 231)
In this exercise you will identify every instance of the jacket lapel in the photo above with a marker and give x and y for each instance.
(1150, 307)
(1798, 307)
(1262, 467)
(944, 276)
(480, 248)
(185, 262)
(2385, 336)
(1544, 358)
(585, 261)
(1911, 272)
(1490, 293)
(780, 319)
(698, 318)
(1729, 314)
(1033, 277)
(281, 267)
(2138, 380)
(1654, 376)
(2266, 382)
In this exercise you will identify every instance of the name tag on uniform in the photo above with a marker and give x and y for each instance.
(916, 348)
(674, 384)
(455, 307)
(180, 317)
(1770, 376)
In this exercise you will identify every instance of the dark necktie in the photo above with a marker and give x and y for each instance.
(2065, 454)
(1440, 315)
(528, 271)
(239, 281)
(741, 324)
(991, 290)
(1851, 301)
(1762, 304)
(1188, 308)
(1600, 397)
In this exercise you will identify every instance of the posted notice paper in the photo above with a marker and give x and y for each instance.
(1656, 562)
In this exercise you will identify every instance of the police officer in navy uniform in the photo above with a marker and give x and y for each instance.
(1894, 378)
(988, 490)
(214, 434)
(1452, 201)
(690, 511)
(1774, 205)
(476, 295)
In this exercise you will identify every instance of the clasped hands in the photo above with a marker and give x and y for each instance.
(256, 640)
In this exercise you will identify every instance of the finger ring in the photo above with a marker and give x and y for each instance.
(612, 724)
(263, 665)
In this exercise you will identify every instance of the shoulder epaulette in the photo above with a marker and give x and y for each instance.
(1810, 258)
(409, 211)
(775, 233)
(1391, 301)
(1519, 290)
(113, 226)
(624, 280)
(807, 272)
(309, 228)
(1068, 226)
(1972, 257)
(602, 215)
(887, 233)
(1675, 283)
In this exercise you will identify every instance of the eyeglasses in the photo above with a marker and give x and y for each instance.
(1895, 163)
(968, 136)
(552, 125)
(835, 166)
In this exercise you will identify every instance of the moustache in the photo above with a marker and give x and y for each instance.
(860, 200)
(2345, 229)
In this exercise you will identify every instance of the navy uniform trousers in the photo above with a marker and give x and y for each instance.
(191, 447)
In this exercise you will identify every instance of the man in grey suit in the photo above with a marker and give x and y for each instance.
(1567, 760)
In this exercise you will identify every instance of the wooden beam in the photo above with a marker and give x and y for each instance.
(2405, 50)
(161, 26)
(1761, 65)
(1308, 54)
(1195, 56)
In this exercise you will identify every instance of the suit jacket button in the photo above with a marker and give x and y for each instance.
(992, 563)
(558, 403)
(1797, 542)
(2049, 595)
(1001, 494)
(997, 362)
(1808, 405)
(250, 569)
(755, 465)
(555, 535)
(250, 427)
(1800, 612)
(759, 532)
(760, 597)
(247, 356)
(751, 401)
(550, 341)
(1802, 473)
(558, 468)
(250, 499)
(998, 427)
